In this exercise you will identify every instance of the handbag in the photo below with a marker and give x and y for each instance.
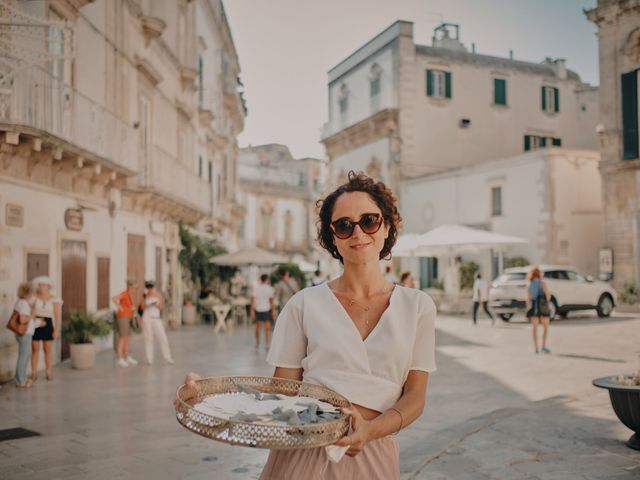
(543, 306)
(14, 324)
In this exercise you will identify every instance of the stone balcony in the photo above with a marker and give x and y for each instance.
(36, 106)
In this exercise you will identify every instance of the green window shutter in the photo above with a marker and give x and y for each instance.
(447, 84)
(499, 91)
(544, 99)
(200, 166)
(210, 172)
(527, 143)
(543, 141)
(630, 147)
(429, 83)
(556, 95)
(556, 142)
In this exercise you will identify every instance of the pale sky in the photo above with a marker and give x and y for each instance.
(286, 48)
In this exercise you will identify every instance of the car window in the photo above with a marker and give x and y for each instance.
(556, 275)
(512, 277)
(576, 277)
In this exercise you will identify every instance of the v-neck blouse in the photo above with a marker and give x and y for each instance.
(315, 333)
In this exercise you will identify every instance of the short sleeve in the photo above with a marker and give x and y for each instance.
(23, 308)
(289, 342)
(424, 347)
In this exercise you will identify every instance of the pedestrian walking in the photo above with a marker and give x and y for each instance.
(359, 334)
(406, 280)
(538, 299)
(263, 309)
(125, 302)
(48, 309)
(286, 288)
(481, 297)
(24, 308)
(152, 305)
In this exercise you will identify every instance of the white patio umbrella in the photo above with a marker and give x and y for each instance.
(456, 239)
(249, 256)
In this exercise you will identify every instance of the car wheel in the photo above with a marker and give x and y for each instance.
(506, 316)
(553, 309)
(605, 305)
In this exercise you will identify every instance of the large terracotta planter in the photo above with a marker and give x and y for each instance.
(83, 355)
(189, 316)
(625, 400)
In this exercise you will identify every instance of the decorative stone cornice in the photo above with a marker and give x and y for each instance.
(148, 70)
(379, 125)
(188, 77)
(205, 116)
(152, 28)
(609, 12)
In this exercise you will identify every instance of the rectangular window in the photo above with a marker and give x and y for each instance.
(499, 91)
(550, 98)
(630, 131)
(210, 172)
(200, 166)
(533, 142)
(496, 201)
(344, 104)
(374, 86)
(438, 84)
(200, 85)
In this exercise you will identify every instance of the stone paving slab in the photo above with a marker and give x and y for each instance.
(494, 410)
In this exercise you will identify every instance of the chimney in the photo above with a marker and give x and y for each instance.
(560, 68)
(510, 54)
(447, 35)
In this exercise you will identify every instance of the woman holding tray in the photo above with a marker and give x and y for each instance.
(360, 335)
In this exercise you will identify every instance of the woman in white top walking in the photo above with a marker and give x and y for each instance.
(152, 326)
(360, 335)
(23, 307)
(48, 309)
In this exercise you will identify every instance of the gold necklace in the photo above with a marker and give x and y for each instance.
(352, 302)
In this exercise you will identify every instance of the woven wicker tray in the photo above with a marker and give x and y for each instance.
(259, 435)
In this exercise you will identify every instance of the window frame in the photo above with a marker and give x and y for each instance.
(497, 209)
(495, 92)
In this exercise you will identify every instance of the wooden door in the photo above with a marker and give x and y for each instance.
(103, 283)
(73, 290)
(37, 264)
(135, 262)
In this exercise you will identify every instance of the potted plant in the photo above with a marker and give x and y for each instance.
(624, 393)
(79, 331)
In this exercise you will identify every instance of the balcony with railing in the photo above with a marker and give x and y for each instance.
(34, 103)
(173, 180)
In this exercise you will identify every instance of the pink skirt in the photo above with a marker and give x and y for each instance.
(379, 459)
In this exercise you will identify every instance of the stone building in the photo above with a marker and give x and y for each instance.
(279, 193)
(398, 109)
(118, 119)
(618, 23)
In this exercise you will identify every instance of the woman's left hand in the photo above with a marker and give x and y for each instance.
(360, 434)
(55, 334)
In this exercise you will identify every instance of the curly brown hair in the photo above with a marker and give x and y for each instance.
(380, 194)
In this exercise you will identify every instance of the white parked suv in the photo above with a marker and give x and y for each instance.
(569, 289)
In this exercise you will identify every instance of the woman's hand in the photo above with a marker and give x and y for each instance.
(190, 381)
(55, 333)
(360, 434)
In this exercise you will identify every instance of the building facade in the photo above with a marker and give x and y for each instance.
(618, 23)
(398, 109)
(118, 119)
(279, 193)
(549, 197)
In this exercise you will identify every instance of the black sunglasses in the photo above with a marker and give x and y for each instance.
(369, 223)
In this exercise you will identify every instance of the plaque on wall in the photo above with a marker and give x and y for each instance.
(14, 215)
(73, 219)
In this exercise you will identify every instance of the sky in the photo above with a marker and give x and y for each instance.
(286, 48)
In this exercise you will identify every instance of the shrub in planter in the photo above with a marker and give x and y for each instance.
(79, 331)
(629, 293)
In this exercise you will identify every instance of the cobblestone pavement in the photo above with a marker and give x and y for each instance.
(495, 409)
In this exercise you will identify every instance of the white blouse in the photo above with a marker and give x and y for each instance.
(315, 333)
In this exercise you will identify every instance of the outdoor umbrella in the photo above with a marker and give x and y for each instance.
(249, 256)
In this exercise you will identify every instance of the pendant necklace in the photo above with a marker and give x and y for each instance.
(365, 308)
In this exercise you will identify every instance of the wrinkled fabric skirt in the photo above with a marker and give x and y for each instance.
(379, 459)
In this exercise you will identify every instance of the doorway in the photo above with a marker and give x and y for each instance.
(73, 254)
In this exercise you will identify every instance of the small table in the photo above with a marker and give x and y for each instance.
(221, 311)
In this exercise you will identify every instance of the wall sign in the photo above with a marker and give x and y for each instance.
(605, 264)
(73, 219)
(14, 215)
